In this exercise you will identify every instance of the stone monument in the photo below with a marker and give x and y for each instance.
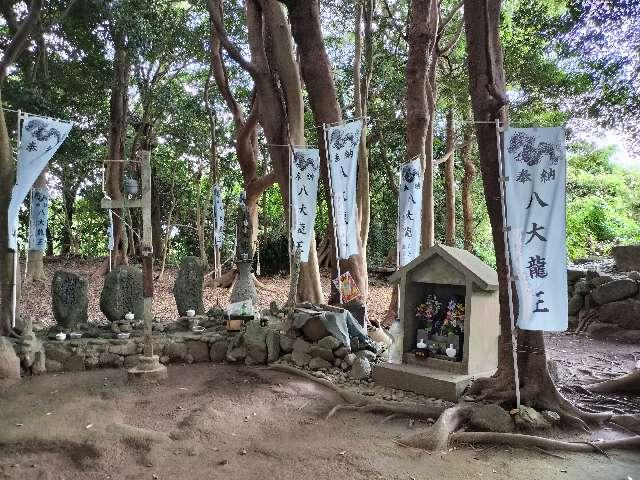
(187, 289)
(69, 297)
(122, 293)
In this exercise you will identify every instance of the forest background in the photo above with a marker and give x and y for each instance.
(566, 62)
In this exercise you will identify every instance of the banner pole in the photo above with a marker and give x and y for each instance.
(290, 236)
(507, 255)
(16, 252)
(333, 211)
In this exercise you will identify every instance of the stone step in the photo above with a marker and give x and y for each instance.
(422, 380)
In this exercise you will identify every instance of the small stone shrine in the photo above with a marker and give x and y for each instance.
(449, 312)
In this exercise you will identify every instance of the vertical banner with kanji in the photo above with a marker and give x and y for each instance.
(38, 217)
(218, 217)
(343, 142)
(305, 171)
(110, 240)
(535, 178)
(40, 139)
(409, 211)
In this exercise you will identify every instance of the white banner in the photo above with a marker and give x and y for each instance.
(38, 217)
(218, 217)
(342, 152)
(305, 171)
(110, 241)
(409, 211)
(535, 164)
(41, 137)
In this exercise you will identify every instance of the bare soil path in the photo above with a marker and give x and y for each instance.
(236, 423)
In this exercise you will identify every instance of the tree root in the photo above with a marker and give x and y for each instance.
(528, 441)
(355, 401)
(629, 383)
(436, 437)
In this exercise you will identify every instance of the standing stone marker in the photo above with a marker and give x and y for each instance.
(244, 288)
(69, 297)
(187, 290)
(122, 293)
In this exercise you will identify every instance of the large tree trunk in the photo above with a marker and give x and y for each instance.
(318, 78)
(246, 143)
(467, 186)
(117, 137)
(7, 176)
(280, 56)
(12, 50)
(450, 184)
(422, 28)
(488, 98)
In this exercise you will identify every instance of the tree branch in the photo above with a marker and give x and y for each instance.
(19, 40)
(445, 21)
(452, 43)
(233, 51)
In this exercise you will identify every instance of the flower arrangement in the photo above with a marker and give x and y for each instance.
(454, 318)
(428, 310)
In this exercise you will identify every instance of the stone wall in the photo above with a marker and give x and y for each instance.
(603, 306)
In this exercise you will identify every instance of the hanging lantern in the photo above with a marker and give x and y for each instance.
(131, 186)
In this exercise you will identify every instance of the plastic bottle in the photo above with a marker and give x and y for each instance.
(395, 354)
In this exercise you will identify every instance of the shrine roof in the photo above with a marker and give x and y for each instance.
(463, 261)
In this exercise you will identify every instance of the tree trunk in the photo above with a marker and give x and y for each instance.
(7, 178)
(68, 204)
(35, 264)
(467, 186)
(156, 220)
(7, 170)
(117, 137)
(279, 52)
(422, 31)
(450, 184)
(318, 78)
(488, 98)
(361, 97)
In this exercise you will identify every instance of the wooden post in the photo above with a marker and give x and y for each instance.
(147, 251)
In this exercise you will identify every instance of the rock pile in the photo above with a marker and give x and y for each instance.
(612, 305)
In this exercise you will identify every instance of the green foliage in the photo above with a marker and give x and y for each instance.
(603, 207)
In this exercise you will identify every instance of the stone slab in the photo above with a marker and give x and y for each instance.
(425, 381)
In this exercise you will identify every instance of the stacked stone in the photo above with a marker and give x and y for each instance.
(615, 301)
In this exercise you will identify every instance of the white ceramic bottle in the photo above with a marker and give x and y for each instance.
(451, 352)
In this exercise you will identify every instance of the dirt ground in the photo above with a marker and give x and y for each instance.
(225, 422)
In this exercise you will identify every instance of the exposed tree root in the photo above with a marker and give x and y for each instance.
(542, 396)
(520, 440)
(629, 423)
(223, 281)
(629, 383)
(436, 437)
(355, 401)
